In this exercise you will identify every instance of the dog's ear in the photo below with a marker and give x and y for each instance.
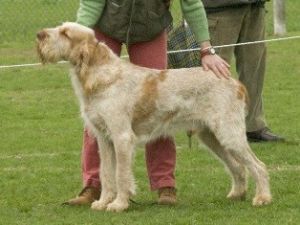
(102, 53)
(84, 57)
(85, 53)
(90, 53)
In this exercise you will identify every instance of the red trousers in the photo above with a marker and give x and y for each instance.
(160, 154)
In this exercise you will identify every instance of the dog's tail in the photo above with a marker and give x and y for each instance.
(243, 95)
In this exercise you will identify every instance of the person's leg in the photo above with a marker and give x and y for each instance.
(160, 154)
(224, 29)
(90, 172)
(232, 26)
(161, 160)
(90, 160)
(251, 62)
(150, 54)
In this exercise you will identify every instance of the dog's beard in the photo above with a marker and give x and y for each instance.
(47, 54)
(40, 53)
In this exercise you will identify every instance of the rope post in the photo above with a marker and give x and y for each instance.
(279, 17)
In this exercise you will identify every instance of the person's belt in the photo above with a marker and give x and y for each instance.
(218, 9)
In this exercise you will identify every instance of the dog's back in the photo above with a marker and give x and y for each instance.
(168, 100)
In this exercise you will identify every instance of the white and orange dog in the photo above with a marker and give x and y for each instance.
(124, 104)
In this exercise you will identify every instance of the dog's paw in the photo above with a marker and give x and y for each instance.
(237, 196)
(262, 200)
(117, 206)
(99, 205)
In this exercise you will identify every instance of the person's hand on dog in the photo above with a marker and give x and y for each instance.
(218, 65)
(211, 61)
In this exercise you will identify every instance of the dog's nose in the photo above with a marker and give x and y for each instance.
(41, 35)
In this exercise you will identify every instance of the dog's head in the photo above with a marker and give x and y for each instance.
(70, 41)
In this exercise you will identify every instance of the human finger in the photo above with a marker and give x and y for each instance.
(223, 69)
(216, 71)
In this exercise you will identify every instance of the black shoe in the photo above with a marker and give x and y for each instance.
(263, 135)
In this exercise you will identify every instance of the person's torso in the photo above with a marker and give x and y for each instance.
(131, 21)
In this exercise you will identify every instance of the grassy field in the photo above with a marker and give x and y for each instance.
(41, 136)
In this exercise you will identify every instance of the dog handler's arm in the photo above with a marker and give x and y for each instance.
(194, 13)
(89, 12)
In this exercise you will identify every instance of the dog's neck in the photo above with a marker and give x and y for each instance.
(94, 57)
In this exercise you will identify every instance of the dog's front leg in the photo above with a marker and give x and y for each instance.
(124, 144)
(107, 174)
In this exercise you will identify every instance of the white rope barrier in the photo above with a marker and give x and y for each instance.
(239, 44)
(25, 65)
(172, 52)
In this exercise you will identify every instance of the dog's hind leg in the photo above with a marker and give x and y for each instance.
(107, 174)
(237, 171)
(124, 143)
(234, 140)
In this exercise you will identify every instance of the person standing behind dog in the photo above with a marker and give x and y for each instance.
(238, 21)
(141, 26)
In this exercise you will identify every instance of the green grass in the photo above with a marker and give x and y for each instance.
(21, 19)
(41, 137)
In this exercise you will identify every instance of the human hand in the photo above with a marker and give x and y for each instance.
(218, 65)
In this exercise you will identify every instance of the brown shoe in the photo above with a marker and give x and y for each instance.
(167, 196)
(86, 197)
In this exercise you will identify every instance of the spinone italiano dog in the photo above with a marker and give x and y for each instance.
(124, 104)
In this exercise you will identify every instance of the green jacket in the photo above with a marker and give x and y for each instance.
(131, 21)
(90, 14)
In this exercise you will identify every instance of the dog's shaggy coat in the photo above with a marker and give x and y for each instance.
(124, 104)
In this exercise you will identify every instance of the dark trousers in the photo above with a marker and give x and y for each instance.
(237, 25)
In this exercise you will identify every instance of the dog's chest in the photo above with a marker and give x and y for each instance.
(95, 121)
